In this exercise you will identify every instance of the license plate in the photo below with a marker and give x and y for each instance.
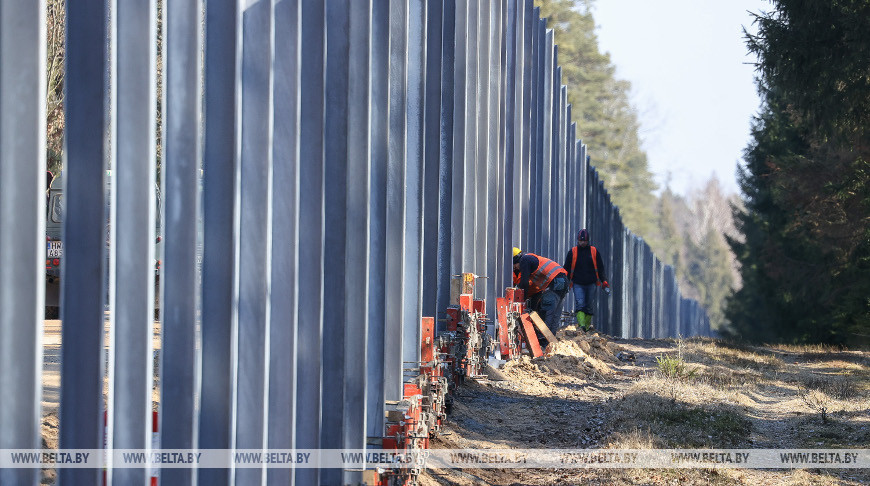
(55, 249)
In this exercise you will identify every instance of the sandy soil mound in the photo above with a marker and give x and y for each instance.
(576, 353)
(49, 429)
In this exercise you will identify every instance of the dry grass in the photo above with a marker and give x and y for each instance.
(806, 348)
(636, 438)
(687, 421)
(714, 352)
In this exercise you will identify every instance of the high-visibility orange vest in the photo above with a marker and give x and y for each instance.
(545, 273)
(594, 264)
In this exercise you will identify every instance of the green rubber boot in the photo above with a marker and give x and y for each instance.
(581, 320)
(587, 324)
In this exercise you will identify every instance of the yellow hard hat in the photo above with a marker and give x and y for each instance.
(517, 251)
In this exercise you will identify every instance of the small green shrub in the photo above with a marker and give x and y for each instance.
(673, 367)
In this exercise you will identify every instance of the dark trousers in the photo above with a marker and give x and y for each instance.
(548, 304)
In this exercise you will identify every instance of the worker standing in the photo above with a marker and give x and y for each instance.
(545, 284)
(586, 273)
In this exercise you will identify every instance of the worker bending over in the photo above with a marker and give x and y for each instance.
(545, 284)
(586, 273)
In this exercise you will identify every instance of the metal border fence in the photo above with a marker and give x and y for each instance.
(326, 167)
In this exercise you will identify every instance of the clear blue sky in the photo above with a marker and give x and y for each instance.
(692, 83)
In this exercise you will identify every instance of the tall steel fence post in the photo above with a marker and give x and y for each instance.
(358, 259)
(501, 266)
(182, 156)
(255, 205)
(220, 232)
(445, 156)
(283, 325)
(531, 217)
(132, 234)
(480, 212)
(494, 158)
(414, 171)
(336, 243)
(396, 200)
(459, 159)
(22, 227)
(432, 188)
(82, 297)
(379, 150)
(512, 143)
(470, 148)
(525, 70)
(311, 233)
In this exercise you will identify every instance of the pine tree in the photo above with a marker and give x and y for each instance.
(716, 276)
(669, 241)
(806, 251)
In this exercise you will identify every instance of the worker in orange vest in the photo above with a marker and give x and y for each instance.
(586, 273)
(545, 284)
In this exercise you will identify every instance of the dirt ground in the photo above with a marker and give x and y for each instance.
(592, 391)
(51, 385)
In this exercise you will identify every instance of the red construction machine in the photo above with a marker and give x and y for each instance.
(446, 360)
(516, 327)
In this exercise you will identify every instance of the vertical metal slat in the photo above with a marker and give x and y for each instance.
(396, 200)
(445, 157)
(309, 278)
(83, 265)
(335, 233)
(357, 253)
(132, 232)
(432, 143)
(414, 171)
(254, 233)
(22, 227)
(379, 119)
(181, 162)
(285, 234)
(220, 233)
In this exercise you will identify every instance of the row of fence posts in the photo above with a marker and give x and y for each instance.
(326, 167)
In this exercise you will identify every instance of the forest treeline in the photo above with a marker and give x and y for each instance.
(805, 252)
(686, 231)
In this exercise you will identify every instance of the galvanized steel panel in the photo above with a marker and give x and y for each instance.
(309, 356)
(512, 128)
(446, 255)
(220, 233)
(459, 117)
(470, 161)
(396, 200)
(336, 241)
(283, 325)
(375, 375)
(414, 118)
(254, 233)
(22, 227)
(496, 268)
(431, 159)
(357, 258)
(84, 231)
(480, 174)
(182, 155)
(132, 234)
